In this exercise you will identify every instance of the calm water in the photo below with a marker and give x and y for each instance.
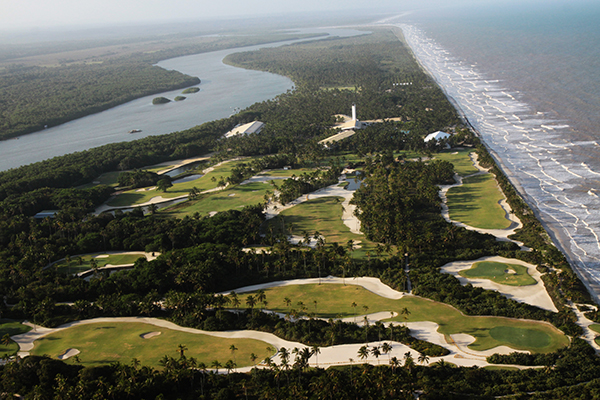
(223, 89)
(528, 78)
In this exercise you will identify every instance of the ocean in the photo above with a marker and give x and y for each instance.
(527, 76)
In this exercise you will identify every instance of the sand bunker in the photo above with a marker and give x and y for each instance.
(68, 354)
(536, 295)
(149, 335)
(102, 256)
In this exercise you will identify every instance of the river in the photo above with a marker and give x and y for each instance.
(223, 89)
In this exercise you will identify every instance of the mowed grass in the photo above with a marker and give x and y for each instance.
(236, 197)
(476, 203)
(517, 275)
(323, 215)
(463, 165)
(205, 182)
(11, 328)
(335, 300)
(105, 343)
(73, 265)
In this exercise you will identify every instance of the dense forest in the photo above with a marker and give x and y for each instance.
(399, 208)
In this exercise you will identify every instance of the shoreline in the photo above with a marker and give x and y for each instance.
(557, 236)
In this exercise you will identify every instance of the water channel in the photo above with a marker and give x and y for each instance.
(223, 89)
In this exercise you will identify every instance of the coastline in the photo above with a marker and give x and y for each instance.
(557, 235)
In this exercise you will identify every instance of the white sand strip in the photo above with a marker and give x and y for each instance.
(68, 354)
(535, 295)
(150, 335)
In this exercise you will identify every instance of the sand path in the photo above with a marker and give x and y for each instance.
(535, 295)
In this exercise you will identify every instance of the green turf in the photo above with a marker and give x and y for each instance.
(496, 272)
(73, 265)
(105, 343)
(595, 328)
(476, 203)
(324, 215)
(335, 300)
(143, 195)
(236, 197)
(12, 328)
(463, 165)
(500, 368)
(521, 337)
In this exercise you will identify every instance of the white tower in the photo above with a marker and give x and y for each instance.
(353, 112)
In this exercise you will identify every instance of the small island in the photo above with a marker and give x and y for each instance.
(179, 98)
(191, 90)
(160, 100)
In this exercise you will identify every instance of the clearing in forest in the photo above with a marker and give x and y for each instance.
(477, 203)
(335, 300)
(105, 343)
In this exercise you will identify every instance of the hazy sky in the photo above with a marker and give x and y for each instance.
(44, 13)
(63, 13)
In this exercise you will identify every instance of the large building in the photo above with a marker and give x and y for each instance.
(246, 129)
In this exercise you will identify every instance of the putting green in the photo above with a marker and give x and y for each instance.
(521, 337)
(102, 259)
(476, 203)
(335, 300)
(502, 273)
(104, 343)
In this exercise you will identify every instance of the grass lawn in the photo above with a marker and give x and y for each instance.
(236, 197)
(143, 195)
(323, 215)
(517, 275)
(12, 328)
(104, 343)
(595, 328)
(476, 203)
(73, 267)
(335, 300)
(463, 165)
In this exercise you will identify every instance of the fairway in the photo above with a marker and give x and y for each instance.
(105, 343)
(476, 203)
(204, 182)
(502, 273)
(323, 215)
(233, 198)
(335, 300)
(463, 165)
(102, 259)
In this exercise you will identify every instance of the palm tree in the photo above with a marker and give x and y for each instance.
(233, 350)
(287, 301)
(376, 353)
(6, 339)
(253, 358)
(230, 366)
(235, 301)
(216, 365)
(405, 312)
(363, 352)
(395, 363)
(316, 350)
(353, 305)
(250, 301)
(423, 359)
(182, 350)
(386, 348)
